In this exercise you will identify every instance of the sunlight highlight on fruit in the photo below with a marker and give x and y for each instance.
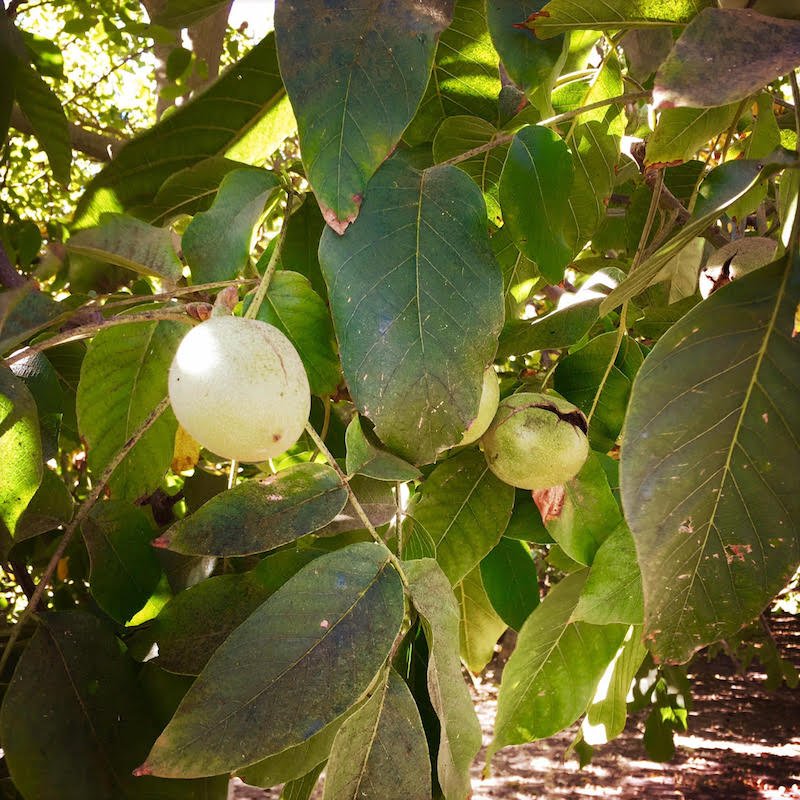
(238, 386)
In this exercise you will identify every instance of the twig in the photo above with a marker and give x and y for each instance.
(98, 146)
(86, 331)
(72, 527)
(362, 515)
(261, 292)
(179, 292)
(558, 118)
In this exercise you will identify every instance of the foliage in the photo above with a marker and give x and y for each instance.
(613, 224)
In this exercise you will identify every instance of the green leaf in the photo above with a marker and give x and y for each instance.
(464, 510)
(415, 338)
(534, 193)
(511, 581)
(460, 733)
(364, 456)
(344, 608)
(465, 78)
(709, 488)
(113, 403)
(294, 762)
(579, 376)
(480, 626)
(595, 153)
(183, 13)
(749, 48)
(24, 311)
(243, 115)
(722, 186)
(302, 788)
(606, 716)
(260, 515)
(552, 674)
(292, 306)
(216, 245)
(44, 111)
(563, 327)
(560, 16)
(683, 269)
(20, 449)
(589, 515)
(346, 122)
(189, 190)
(457, 135)
(526, 522)
(130, 243)
(613, 590)
(194, 623)
(124, 569)
(533, 64)
(681, 132)
(301, 243)
(75, 688)
(520, 274)
(380, 750)
(50, 507)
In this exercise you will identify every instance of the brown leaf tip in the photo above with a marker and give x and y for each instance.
(531, 21)
(161, 542)
(142, 771)
(336, 224)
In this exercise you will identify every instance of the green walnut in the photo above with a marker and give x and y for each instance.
(238, 386)
(536, 441)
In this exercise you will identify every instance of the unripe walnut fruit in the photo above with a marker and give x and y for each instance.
(238, 386)
(536, 441)
(490, 397)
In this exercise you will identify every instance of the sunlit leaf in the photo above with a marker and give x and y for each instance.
(748, 48)
(554, 670)
(341, 96)
(463, 512)
(415, 338)
(130, 243)
(460, 735)
(380, 750)
(243, 115)
(708, 487)
(344, 608)
(260, 515)
(20, 448)
(113, 403)
(480, 625)
(216, 244)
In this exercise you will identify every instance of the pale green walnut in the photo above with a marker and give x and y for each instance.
(536, 441)
(239, 387)
(490, 397)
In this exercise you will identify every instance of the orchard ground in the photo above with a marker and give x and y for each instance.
(743, 743)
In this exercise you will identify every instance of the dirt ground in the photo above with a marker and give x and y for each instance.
(743, 743)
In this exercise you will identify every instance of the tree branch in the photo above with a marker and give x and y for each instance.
(94, 145)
